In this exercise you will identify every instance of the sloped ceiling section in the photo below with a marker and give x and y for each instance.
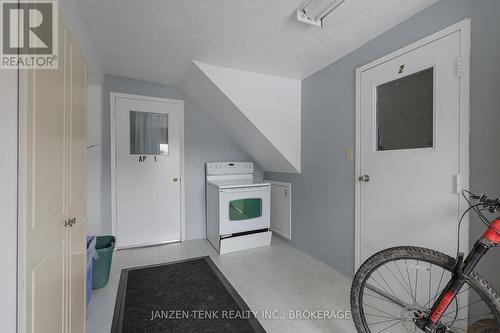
(260, 113)
(271, 103)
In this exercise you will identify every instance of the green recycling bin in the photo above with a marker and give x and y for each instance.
(104, 246)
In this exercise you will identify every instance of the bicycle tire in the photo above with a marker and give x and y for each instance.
(476, 282)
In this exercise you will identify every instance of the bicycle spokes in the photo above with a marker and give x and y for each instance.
(399, 294)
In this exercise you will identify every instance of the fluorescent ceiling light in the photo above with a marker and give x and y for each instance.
(313, 12)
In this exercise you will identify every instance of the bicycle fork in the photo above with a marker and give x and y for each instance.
(461, 274)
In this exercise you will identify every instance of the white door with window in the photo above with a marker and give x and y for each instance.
(411, 136)
(146, 167)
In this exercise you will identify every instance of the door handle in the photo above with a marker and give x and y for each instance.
(175, 179)
(70, 222)
(364, 178)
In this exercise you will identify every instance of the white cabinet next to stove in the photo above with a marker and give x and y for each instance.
(281, 208)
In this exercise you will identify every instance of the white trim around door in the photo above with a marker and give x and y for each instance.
(463, 68)
(113, 97)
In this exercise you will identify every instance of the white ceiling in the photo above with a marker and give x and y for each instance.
(155, 40)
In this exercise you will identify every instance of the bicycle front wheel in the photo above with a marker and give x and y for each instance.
(394, 290)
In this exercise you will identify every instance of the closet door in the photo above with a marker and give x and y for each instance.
(42, 203)
(76, 88)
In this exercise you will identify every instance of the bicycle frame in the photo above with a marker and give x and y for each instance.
(463, 269)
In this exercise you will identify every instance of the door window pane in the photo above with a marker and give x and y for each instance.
(405, 112)
(148, 133)
(244, 209)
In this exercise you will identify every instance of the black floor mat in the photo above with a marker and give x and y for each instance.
(190, 296)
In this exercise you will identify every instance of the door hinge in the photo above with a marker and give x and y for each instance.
(459, 67)
(458, 183)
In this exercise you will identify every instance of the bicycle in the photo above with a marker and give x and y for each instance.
(404, 289)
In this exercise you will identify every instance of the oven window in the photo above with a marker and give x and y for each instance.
(245, 209)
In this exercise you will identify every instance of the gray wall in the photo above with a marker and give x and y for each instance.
(204, 142)
(323, 202)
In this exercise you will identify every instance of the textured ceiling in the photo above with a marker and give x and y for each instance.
(156, 39)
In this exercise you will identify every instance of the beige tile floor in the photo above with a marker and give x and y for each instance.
(272, 278)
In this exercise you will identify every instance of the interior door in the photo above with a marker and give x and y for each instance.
(76, 111)
(42, 199)
(147, 171)
(52, 193)
(410, 150)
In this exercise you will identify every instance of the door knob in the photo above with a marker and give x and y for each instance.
(364, 178)
(70, 222)
(175, 179)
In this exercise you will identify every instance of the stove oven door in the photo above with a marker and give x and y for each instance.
(244, 209)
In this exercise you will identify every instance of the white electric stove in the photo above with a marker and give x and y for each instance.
(238, 207)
